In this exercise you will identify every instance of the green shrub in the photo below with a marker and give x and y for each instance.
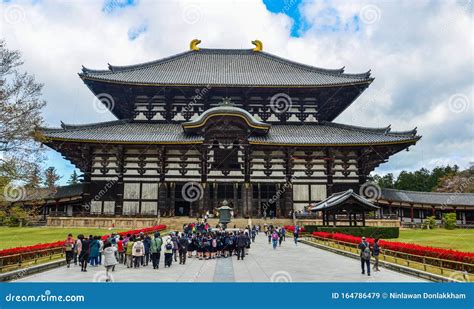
(449, 221)
(429, 223)
(367, 231)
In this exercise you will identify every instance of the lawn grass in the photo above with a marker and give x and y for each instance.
(458, 239)
(25, 236)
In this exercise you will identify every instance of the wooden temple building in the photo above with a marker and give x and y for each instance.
(208, 125)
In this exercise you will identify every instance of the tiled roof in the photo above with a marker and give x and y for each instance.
(431, 198)
(225, 67)
(326, 133)
(341, 198)
(58, 193)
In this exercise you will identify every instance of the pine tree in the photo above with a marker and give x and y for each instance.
(74, 179)
(50, 178)
(35, 178)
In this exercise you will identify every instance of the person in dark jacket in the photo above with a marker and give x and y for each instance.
(83, 251)
(241, 243)
(182, 248)
(375, 254)
(147, 245)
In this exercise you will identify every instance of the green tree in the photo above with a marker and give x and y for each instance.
(385, 181)
(34, 179)
(74, 179)
(50, 178)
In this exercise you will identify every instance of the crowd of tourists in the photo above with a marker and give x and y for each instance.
(197, 240)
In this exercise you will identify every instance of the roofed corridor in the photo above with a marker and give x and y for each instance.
(301, 263)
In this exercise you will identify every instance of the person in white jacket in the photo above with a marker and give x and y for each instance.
(138, 251)
(109, 259)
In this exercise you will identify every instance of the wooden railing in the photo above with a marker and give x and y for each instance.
(428, 264)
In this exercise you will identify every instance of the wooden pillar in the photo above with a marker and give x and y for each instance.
(329, 161)
(203, 203)
(259, 199)
(86, 168)
(363, 218)
(120, 169)
(411, 213)
(235, 199)
(171, 206)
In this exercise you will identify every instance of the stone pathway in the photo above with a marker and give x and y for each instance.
(300, 263)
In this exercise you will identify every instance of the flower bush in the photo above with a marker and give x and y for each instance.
(438, 253)
(40, 249)
(291, 228)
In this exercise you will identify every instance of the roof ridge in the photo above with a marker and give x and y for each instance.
(424, 192)
(351, 127)
(124, 68)
(65, 126)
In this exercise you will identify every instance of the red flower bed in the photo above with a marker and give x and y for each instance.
(291, 228)
(59, 244)
(439, 253)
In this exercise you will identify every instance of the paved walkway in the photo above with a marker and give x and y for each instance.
(263, 264)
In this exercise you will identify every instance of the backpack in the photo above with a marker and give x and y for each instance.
(214, 243)
(275, 236)
(366, 253)
(169, 246)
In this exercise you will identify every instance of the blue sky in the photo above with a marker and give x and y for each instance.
(419, 53)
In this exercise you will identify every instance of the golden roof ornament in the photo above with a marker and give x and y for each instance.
(194, 44)
(258, 46)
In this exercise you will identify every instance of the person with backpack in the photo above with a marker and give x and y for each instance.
(168, 252)
(146, 244)
(174, 240)
(253, 233)
(69, 249)
(182, 248)
(364, 248)
(241, 243)
(375, 254)
(120, 249)
(275, 238)
(138, 250)
(213, 246)
(155, 249)
(83, 251)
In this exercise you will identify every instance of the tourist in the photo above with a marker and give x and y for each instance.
(283, 233)
(155, 249)
(83, 251)
(191, 244)
(213, 246)
(241, 243)
(109, 259)
(364, 248)
(182, 248)
(120, 249)
(168, 252)
(128, 252)
(200, 246)
(138, 250)
(375, 254)
(253, 233)
(146, 244)
(274, 237)
(174, 240)
(69, 249)
(101, 249)
(296, 234)
(280, 236)
(94, 252)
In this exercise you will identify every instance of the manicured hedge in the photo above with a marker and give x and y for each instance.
(367, 231)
